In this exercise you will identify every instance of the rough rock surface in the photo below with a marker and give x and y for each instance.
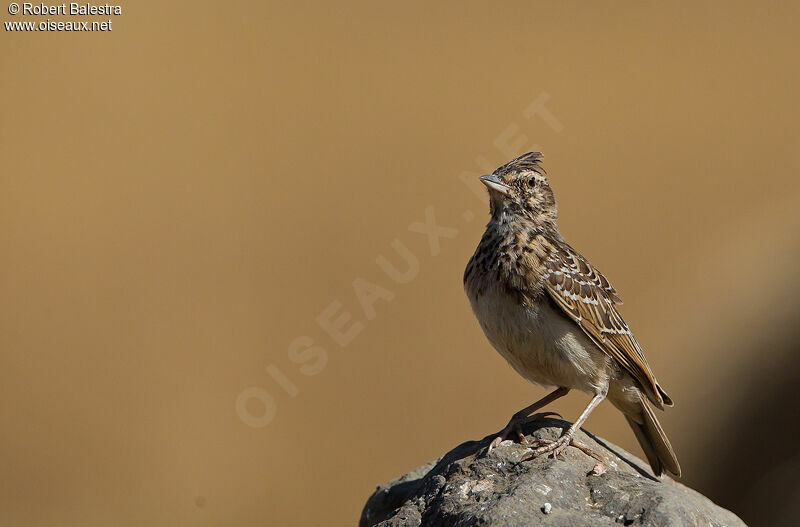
(467, 487)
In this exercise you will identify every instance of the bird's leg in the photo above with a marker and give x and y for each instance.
(557, 446)
(514, 426)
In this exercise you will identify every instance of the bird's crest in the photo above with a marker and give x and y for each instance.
(529, 161)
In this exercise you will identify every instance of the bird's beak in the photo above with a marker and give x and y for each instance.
(493, 183)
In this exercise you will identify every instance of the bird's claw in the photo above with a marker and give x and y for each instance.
(545, 446)
(514, 428)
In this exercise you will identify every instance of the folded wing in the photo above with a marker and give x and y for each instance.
(590, 300)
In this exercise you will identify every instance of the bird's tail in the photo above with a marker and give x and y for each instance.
(653, 440)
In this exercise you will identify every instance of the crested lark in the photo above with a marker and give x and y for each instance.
(554, 317)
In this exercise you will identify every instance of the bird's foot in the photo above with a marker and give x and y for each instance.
(545, 446)
(514, 429)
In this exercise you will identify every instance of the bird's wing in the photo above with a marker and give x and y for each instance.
(590, 300)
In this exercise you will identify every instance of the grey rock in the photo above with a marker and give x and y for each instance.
(467, 487)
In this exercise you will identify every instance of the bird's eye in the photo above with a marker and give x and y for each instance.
(532, 181)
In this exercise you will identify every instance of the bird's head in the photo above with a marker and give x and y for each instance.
(519, 190)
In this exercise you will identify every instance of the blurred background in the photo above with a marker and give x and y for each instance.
(220, 304)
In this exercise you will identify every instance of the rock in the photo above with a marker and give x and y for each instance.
(468, 487)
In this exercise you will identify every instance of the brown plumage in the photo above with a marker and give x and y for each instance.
(554, 316)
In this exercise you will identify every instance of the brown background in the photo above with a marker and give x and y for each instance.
(183, 196)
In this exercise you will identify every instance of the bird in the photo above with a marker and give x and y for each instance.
(554, 316)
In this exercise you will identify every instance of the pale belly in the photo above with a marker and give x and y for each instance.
(540, 343)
